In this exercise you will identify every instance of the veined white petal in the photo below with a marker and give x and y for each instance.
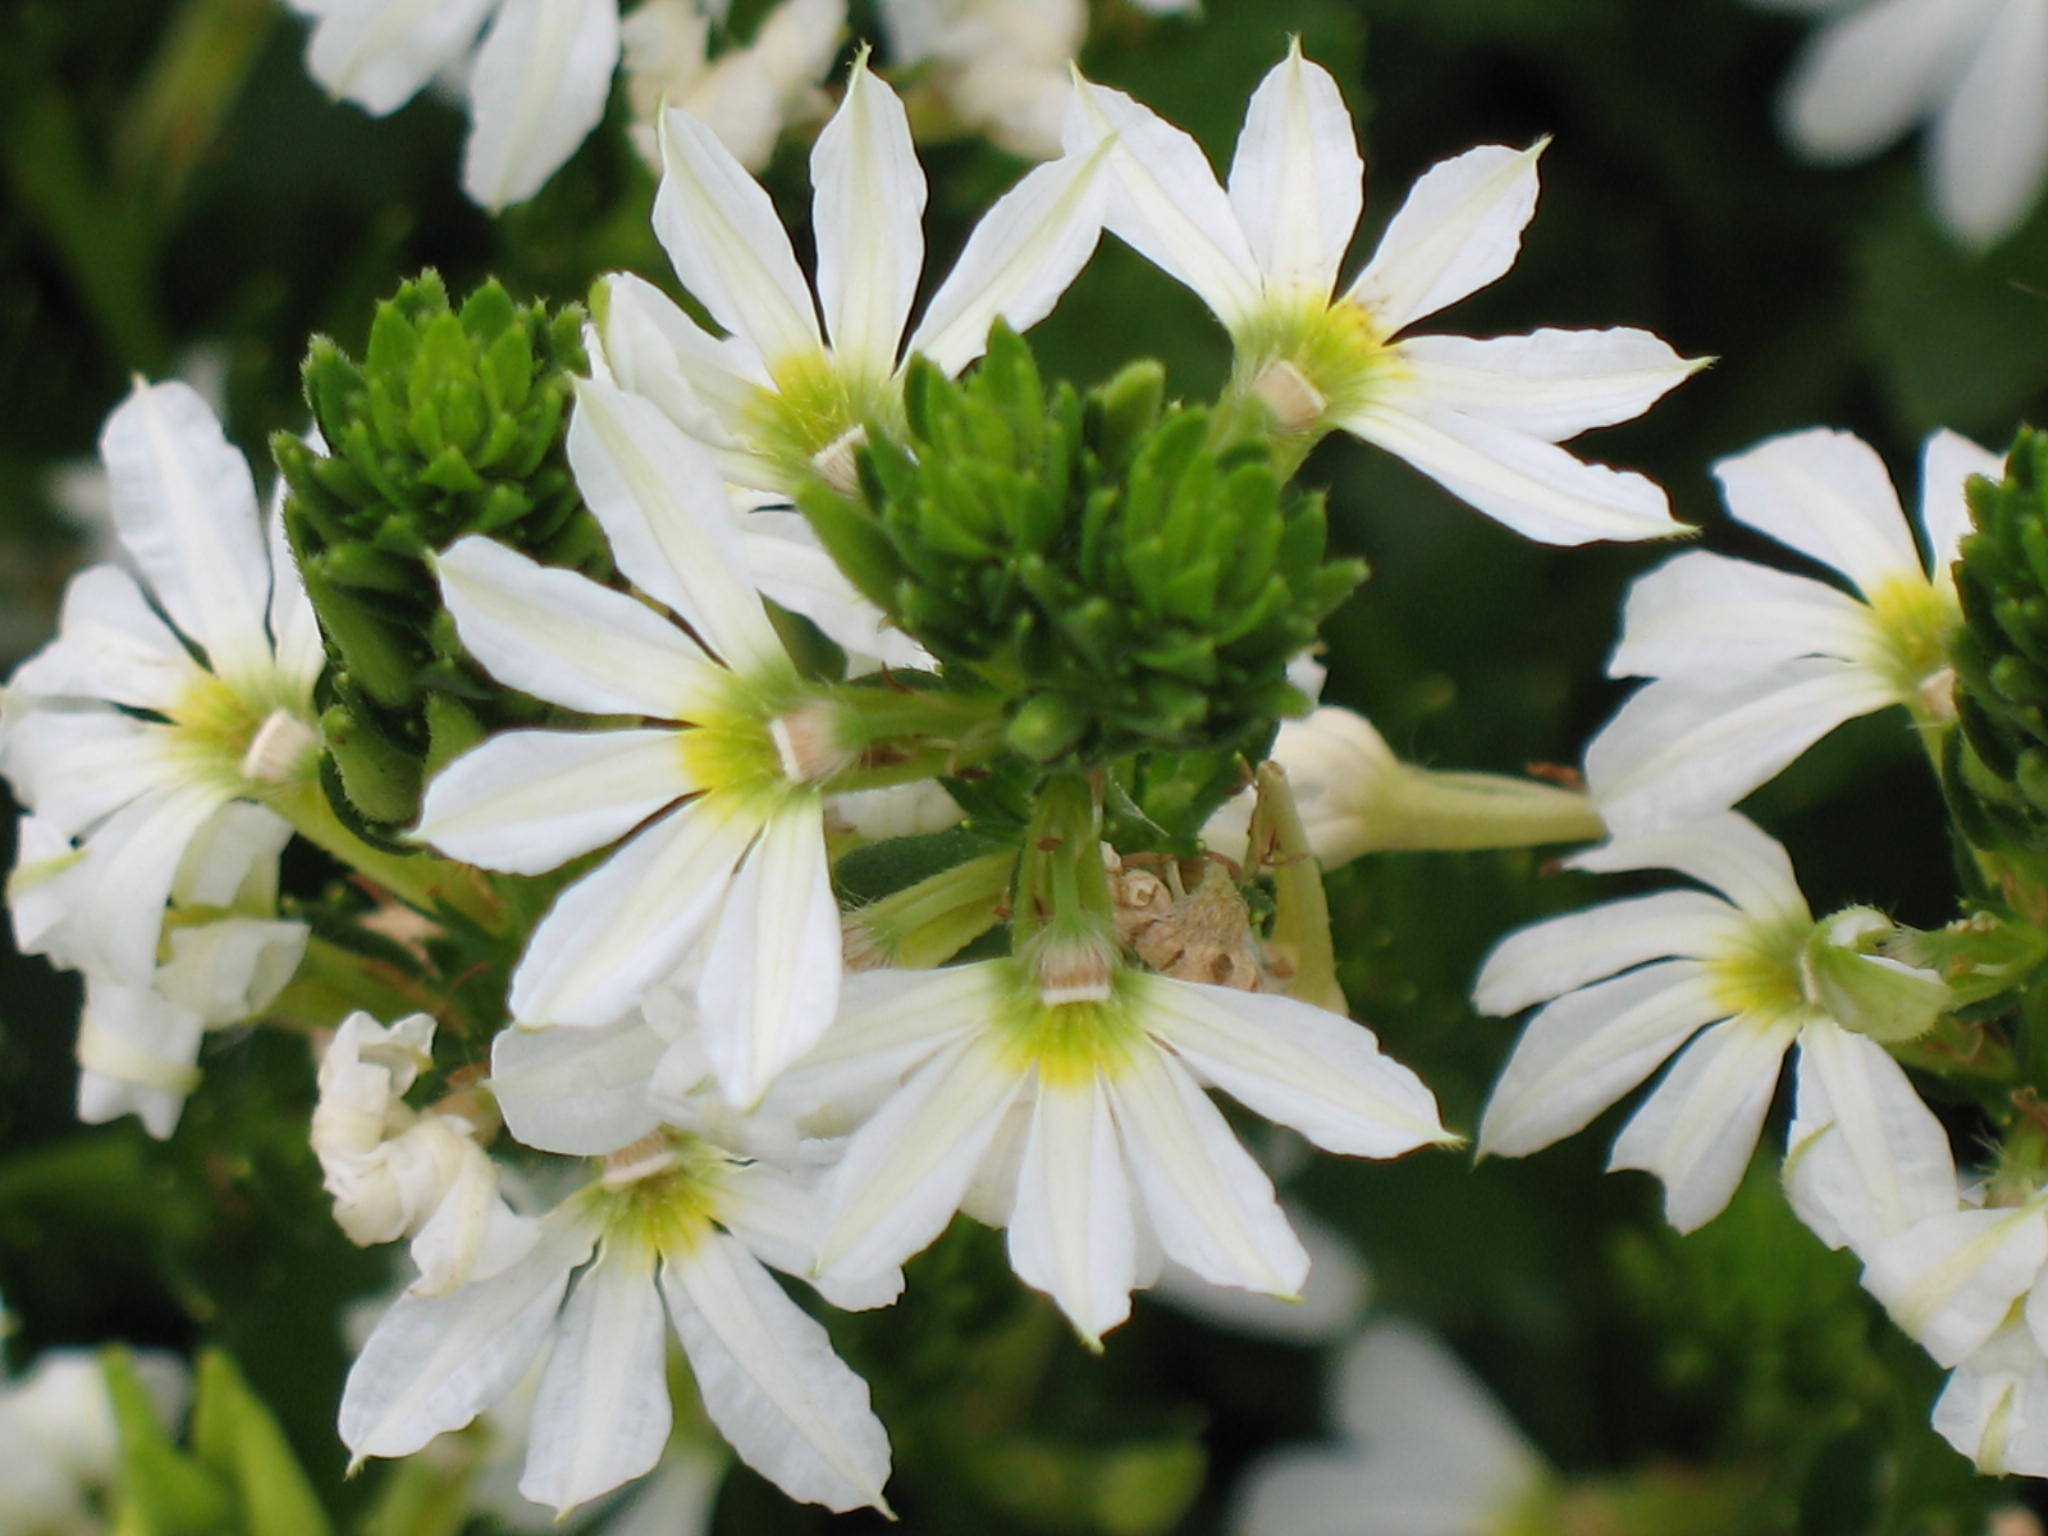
(436, 1362)
(1327, 1312)
(1550, 384)
(1706, 616)
(1297, 183)
(1995, 1407)
(1018, 260)
(1697, 1129)
(1071, 1228)
(1587, 1049)
(294, 630)
(889, 1021)
(1167, 206)
(233, 969)
(1297, 1064)
(1864, 1157)
(1532, 486)
(233, 860)
(1726, 851)
(1989, 147)
(1947, 461)
(1679, 749)
(538, 88)
(779, 1217)
(770, 1381)
(530, 801)
(75, 767)
(1869, 76)
(1828, 495)
(601, 1412)
(630, 921)
(867, 210)
(378, 53)
(1952, 1280)
(580, 1092)
(1460, 228)
(905, 1170)
(727, 244)
(564, 638)
(791, 568)
(1550, 958)
(663, 504)
(125, 878)
(771, 975)
(1209, 1202)
(186, 509)
(702, 384)
(138, 1054)
(110, 645)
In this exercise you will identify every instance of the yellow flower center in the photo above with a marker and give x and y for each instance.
(1912, 620)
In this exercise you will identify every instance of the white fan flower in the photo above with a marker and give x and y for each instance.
(1750, 666)
(1972, 68)
(1481, 418)
(60, 1448)
(718, 800)
(1747, 971)
(674, 1222)
(779, 398)
(1082, 1126)
(537, 83)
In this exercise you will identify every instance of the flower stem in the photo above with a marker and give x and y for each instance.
(420, 880)
(1301, 917)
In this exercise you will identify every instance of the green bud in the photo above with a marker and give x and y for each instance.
(1132, 583)
(452, 423)
(1846, 974)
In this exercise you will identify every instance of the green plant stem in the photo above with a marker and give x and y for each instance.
(420, 880)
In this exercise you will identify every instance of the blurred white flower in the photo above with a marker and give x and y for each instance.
(749, 94)
(1976, 70)
(60, 1451)
(1750, 666)
(999, 66)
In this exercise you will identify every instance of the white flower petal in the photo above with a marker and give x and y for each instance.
(435, 1362)
(771, 975)
(785, 564)
(294, 629)
(1296, 1064)
(1550, 384)
(530, 801)
(1587, 1049)
(769, 1379)
(1869, 76)
(1952, 1280)
(130, 864)
(1989, 146)
(1995, 1407)
(890, 1021)
(1947, 461)
(1071, 1228)
(1697, 1129)
(1828, 495)
(1550, 958)
(378, 53)
(1704, 616)
(1531, 486)
(580, 1092)
(728, 246)
(1018, 260)
(904, 1172)
(601, 1412)
(186, 509)
(630, 921)
(1296, 182)
(652, 348)
(233, 860)
(867, 212)
(1460, 228)
(76, 767)
(110, 645)
(233, 969)
(1678, 749)
(1726, 851)
(1402, 1392)
(1327, 1312)
(779, 1217)
(1864, 1157)
(664, 507)
(564, 638)
(138, 1054)
(1208, 1201)
(538, 88)
(1167, 205)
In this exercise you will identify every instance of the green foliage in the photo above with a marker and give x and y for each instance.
(1129, 582)
(453, 423)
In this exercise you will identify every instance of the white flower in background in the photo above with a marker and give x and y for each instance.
(1000, 67)
(537, 83)
(397, 1173)
(1748, 971)
(1427, 1452)
(1356, 797)
(1974, 68)
(717, 800)
(747, 95)
(1326, 1310)
(778, 398)
(675, 1222)
(1482, 418)
(114, 735)
(60, 1450)
(1750, 665)
(1082, 1126)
